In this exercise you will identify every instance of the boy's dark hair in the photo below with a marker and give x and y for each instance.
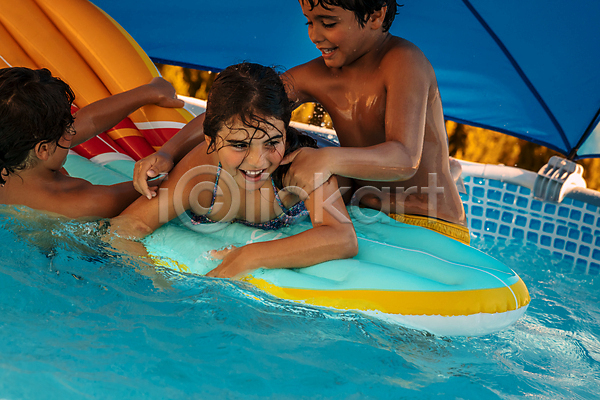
(34, 107)
(362, 9)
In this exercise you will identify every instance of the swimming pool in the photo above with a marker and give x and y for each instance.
(81, 321)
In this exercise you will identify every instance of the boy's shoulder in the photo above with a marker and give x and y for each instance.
(397, 59)
(42, 193)
(396, 51)
(401, 51)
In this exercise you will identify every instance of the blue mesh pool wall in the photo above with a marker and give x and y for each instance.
(569, 230)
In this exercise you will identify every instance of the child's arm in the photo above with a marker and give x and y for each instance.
(170, 153)
(382, 162)
(398, 158)
(332, 237)
(106, 113)
(78, 198)
(144, 216)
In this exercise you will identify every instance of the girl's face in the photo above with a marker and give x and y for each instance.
(251, 155)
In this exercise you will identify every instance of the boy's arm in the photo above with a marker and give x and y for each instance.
(295, 80)
(144, 216)
(396, 159)
(170, 153)
(80, 199)
(106, 113)
(192, 134)
(332, 237)
(311, 167)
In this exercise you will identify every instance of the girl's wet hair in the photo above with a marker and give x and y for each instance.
(253, 93)
(362, 9)
(35, 107)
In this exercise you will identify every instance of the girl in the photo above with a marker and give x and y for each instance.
(235, 175)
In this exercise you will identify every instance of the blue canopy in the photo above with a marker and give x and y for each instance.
(523, 67)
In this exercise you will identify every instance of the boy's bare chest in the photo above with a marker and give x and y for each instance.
(357, 109)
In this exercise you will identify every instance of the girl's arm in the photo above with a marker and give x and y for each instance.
(332, 237)
(104, 114)
(144, 216)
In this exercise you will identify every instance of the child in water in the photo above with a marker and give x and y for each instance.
(235, 175)
(382, 95)
(37, 130)
(391, 130)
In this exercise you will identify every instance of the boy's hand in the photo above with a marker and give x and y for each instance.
(150, 167)
(310, 169)
(166, 94)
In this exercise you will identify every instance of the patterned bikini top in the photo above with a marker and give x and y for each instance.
(289, 216)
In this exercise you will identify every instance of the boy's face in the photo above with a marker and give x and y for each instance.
(336, 33)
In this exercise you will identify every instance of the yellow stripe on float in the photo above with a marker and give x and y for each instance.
(122, 133)
(169, 263)
(455, 303)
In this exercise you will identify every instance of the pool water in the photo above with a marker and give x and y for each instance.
(81, 321)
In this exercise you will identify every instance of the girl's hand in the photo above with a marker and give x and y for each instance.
(221, 254)
(233, 265)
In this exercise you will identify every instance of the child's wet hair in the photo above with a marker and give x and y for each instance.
(253, 93)
(35, 107)
(249, 92)
(362, 9)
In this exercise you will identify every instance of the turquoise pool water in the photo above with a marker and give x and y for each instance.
(80, 321)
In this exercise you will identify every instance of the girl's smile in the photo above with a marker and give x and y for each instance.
(249, 154)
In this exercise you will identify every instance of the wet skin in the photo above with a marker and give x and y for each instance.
(43, 185)
(248, 158)
(378, 89)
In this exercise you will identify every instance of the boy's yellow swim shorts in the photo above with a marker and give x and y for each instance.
(449, 229)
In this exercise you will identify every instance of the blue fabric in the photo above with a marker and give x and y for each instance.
(527, 68)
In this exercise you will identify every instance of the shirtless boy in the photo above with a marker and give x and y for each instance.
(382, 95)
(37, 130)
